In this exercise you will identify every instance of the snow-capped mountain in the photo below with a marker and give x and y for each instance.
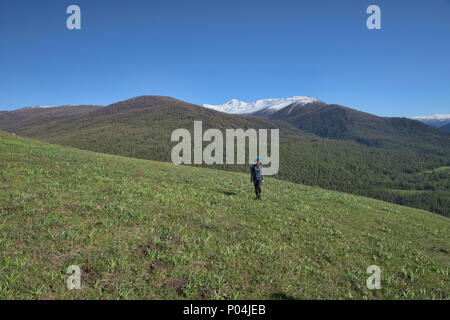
(269, 105)
(435, 120)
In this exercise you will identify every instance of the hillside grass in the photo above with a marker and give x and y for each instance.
(141, 229)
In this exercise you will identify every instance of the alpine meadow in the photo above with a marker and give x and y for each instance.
(142, 229)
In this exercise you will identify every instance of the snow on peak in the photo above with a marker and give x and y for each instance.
(436, 117)
(238, 107)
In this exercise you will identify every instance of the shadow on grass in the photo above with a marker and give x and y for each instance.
(229, 193)
(281, 296)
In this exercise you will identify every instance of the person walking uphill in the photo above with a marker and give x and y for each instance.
(257, 177)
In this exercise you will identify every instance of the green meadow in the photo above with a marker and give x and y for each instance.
(141, 229)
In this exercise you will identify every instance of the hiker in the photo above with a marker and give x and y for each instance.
(257, 177)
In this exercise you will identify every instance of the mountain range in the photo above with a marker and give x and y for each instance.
(305, 109)
(441, 121)
(337, 122)
(335, 147)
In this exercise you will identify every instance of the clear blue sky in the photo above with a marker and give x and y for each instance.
(212, 51)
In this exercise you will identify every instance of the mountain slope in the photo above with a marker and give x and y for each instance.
(26, 118)
(446, 127)
(141, 127)
(150, 230)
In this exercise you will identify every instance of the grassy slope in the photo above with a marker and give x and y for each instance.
(144, 229)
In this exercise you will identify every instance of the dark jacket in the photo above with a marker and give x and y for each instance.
(256, 173)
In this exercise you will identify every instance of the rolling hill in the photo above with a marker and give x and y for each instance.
(141, 128)
(142, 229)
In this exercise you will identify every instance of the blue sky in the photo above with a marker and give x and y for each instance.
(212, 51)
